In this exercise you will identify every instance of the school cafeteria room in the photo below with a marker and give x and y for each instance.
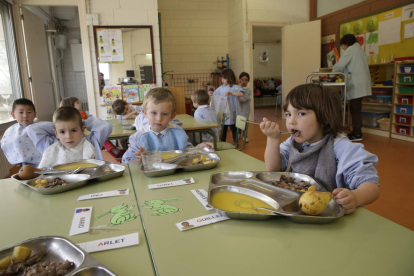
(206, 137)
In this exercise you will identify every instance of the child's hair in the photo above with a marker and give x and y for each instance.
(200, 97)
(326, 104)
(348, 40)
(23, 101)
(159, 95)
(69, 101)
(244, 74)
(119, 107)
(229, 75)
(66, 114)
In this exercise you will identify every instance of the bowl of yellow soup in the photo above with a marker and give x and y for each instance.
(84, 164)
(239, 203)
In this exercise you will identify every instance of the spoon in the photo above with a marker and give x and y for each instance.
(282, 132)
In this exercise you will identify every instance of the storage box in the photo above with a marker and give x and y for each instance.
(402, 130)
(384, 123)
(407, 69)
(406, 89)
(407, 78)
(384, 99)
(400, 119)
(405, 100)
(404, 109)
(370, 118)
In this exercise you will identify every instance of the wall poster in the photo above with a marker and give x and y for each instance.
(110, 45)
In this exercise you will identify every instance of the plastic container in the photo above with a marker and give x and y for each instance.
(407, 78)
(400, 119)
(406, 90)
(402, 130)
(370, 118)
(407, 69)
(404, 109)
(384, 99)
(405, 100)
(384, 123)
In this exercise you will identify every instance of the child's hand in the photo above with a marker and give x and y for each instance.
(346, 199)
(138, 157)
(270, 129)
(229, 93)
(205, 145)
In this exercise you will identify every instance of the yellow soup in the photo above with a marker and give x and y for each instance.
(235, 202)
(169, 155)
(75, 166)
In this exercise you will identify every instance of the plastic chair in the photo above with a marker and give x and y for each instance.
(241, 125)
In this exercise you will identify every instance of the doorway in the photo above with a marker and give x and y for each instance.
(54, 56)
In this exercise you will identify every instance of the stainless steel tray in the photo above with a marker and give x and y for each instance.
(103, 172)
(255, 184)
(168, 169)
(59, 248)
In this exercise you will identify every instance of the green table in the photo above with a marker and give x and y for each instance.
(27, 214)
(359, 244)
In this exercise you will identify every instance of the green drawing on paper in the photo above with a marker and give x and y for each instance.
(158, 207)
(122, 214)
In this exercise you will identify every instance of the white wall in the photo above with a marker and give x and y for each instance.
(267, 39)
(325, 7)
(236, 27)
(194, 33)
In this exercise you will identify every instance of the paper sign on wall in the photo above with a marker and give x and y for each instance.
(110, 45)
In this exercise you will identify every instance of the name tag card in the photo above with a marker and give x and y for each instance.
(110, 243)
(81, 221)
(201, 221)
(202, 196)
(172, 183)
(105, 194)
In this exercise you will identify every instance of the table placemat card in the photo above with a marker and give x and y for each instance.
(202, 196)
(201, 221)
(185, 181)
(110, 243)
(105, 194)
(81, 221)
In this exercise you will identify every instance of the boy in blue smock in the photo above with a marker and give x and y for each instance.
(63, 141)
(160, 134)
(200, 100)
(16, 144)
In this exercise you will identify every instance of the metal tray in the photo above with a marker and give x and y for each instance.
(58, 249)
(90, 161)
(168, 169)
(103, 172)
(129, 126)
(254, 184)
(93, 270)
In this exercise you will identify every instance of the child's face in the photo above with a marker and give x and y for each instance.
(69, 133)
(244, 81)
(159, 115)
(127, 110)
(24, 114)
(78, 106)
(223, 81)
(304, 121)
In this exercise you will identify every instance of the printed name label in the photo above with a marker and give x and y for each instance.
(202, 196)
(185, 181)
(81, 221)
(110, 243)
(105, 194)
(201, 221)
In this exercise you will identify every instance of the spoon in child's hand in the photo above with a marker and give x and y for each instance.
(282, 132)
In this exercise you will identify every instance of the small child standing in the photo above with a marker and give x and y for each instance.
(63, 140)
(16, 144)
(319, 149)
(233, 91)
(160, 133)
(200, 100)
(244, 79)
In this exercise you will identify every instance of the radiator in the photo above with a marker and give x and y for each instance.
(85, 106)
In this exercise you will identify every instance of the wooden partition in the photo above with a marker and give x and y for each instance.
(179, 95)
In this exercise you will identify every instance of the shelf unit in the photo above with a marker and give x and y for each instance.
(402, 124)
(380, 107)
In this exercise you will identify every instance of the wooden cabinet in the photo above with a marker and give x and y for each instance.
(179, 95)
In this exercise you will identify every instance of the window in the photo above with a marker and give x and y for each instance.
(10, 84)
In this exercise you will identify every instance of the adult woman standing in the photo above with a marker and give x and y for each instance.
(358, 80)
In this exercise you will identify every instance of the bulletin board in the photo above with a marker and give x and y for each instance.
(384, 35)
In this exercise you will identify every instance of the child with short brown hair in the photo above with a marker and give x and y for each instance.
(125, 110)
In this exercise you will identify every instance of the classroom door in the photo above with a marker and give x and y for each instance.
(39, 69)
(301, 53)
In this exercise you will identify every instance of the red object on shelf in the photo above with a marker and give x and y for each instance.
(405, 100)
(381, 92)
(403, 130)
(403, 119)
(403, 58)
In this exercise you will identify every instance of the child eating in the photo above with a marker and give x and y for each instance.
(318, 148)
(16, 144)
(63, 141)
(160, 134)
